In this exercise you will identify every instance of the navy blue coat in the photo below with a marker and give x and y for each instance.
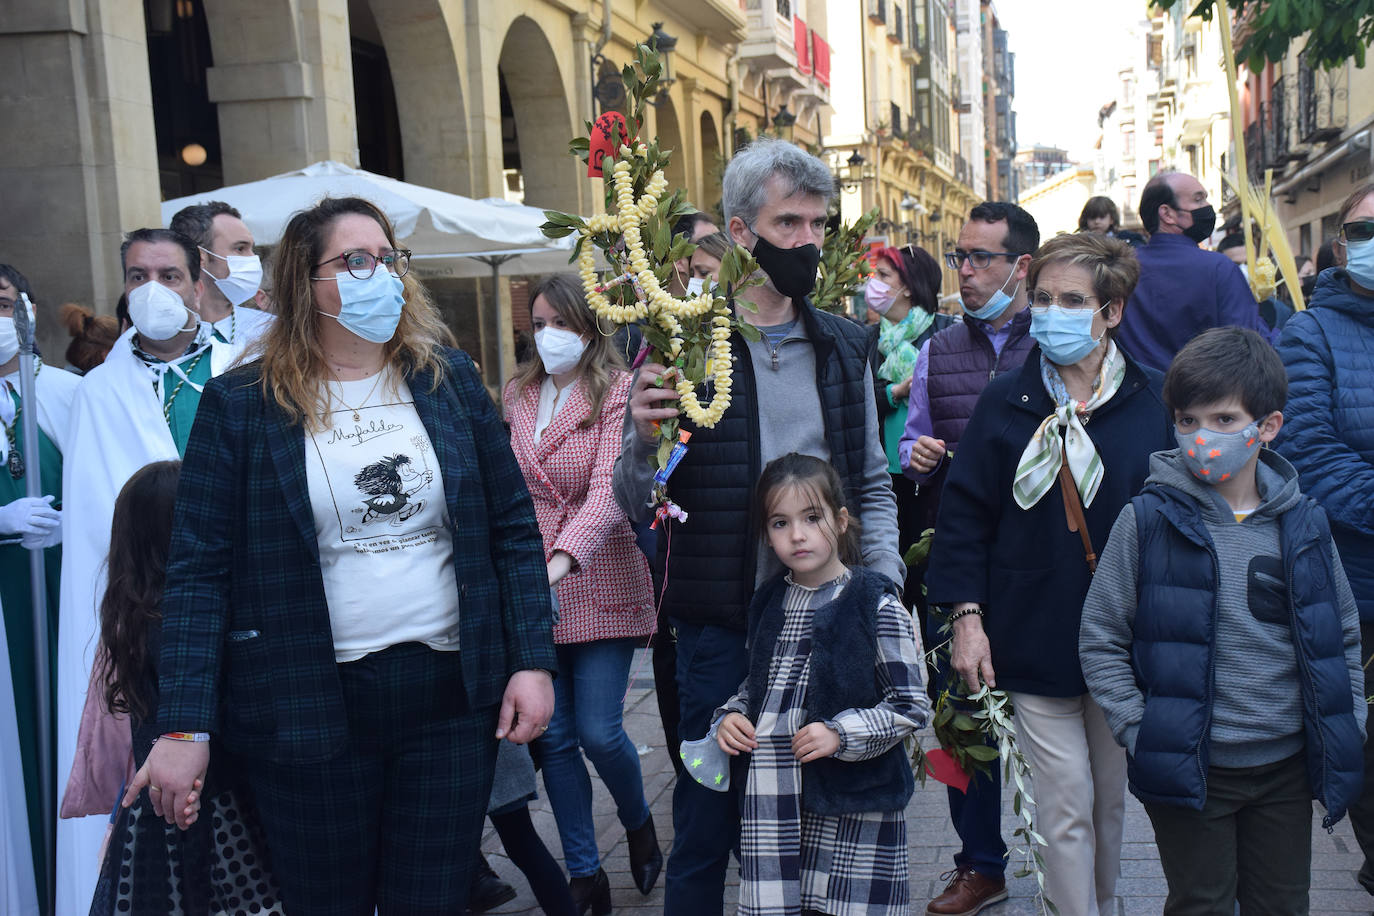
(1024, 565)
(1174, 640)
(247, 648)
(1328, 429)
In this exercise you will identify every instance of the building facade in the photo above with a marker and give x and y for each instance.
(999, 89)
(123, 103)
(1310, 129)
(900, 151)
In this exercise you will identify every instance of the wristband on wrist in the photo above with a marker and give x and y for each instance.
(197, 737)
(965, 612)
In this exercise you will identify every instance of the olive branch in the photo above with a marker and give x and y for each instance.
(976, 731)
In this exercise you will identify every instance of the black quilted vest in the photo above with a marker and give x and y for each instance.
(711, 559)
(962, 362)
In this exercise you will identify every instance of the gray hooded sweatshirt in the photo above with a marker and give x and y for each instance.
(1257, 701)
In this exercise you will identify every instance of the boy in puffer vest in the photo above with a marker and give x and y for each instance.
(1222, 641)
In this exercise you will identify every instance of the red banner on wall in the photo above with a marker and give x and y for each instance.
(803, 50)
(820, 57)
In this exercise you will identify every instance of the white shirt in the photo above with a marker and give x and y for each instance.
(551, 401)
(381, 519)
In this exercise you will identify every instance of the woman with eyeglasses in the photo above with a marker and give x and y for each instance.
(356, 604)
(904, 291)
(1073, 426)
(1328, 430)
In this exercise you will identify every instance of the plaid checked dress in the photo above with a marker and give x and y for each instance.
(845, 865)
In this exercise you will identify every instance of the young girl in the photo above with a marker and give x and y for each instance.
(835, 683)
(218, 864)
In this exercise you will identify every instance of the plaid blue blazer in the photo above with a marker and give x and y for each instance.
(247, 649)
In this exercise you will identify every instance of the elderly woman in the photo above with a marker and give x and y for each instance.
(1328, 431)
(1064, 441)
(356, 602)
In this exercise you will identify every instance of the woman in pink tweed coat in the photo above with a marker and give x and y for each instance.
(566, 409)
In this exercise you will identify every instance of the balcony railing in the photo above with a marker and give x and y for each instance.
(1322, 103)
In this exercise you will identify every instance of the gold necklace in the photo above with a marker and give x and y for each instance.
(356, 416)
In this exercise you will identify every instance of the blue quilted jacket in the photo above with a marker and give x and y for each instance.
(1328, 431)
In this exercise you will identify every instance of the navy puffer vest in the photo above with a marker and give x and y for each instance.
(843, 676)
(1174, 636)
(962, 362)
(711, 560)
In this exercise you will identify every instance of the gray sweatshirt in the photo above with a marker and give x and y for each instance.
(789, 412)
(1257, 699)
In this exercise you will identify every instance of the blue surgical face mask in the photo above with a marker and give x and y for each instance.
(1359, 262)
(1065, 335)
(370, 308)
(997, 303)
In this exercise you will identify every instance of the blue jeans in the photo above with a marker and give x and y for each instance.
(711, 663)
(977, 813)
(588, 715)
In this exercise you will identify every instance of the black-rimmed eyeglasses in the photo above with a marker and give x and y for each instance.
(363, 264)
(979, 259)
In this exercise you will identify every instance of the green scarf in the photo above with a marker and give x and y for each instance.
(895, 344)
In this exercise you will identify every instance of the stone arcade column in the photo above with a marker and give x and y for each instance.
(283, 81)
(78, 160)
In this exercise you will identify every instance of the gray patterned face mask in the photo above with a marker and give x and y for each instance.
(1214, 457)
(706, 763)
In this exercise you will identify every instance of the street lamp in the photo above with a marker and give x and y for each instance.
(783, 123)
(855, 171)
(664, 44)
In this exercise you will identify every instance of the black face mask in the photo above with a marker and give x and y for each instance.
(792, 270)
(1204, 221)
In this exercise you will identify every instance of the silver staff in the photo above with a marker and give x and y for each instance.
(33, 484)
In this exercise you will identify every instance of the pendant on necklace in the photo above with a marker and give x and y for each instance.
(16, 463)
(356, 418)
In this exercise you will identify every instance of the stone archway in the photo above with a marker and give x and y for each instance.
(670, 137)
(541, 117)
(427, 77)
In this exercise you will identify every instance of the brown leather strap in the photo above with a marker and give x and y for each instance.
(1073, 511)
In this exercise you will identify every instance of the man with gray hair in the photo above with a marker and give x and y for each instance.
(225, 245)
(803, 386)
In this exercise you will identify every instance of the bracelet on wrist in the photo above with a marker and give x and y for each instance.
(197, 737)
(965, 612)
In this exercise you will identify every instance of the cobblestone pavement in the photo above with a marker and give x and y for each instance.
(1140, 890)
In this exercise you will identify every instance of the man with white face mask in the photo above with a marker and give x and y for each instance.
(233, 270)
(135, 408)
(25, 523)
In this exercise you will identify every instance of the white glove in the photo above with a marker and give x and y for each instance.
(49, 538)
(33, 518)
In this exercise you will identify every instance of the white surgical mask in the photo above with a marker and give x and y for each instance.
(559, 349)
(245, 276)
(158, 312)
(9, 335)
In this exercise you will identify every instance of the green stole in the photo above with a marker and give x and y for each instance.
(17, 598)
(179, 400)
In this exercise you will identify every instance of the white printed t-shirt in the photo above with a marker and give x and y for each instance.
(382, 522)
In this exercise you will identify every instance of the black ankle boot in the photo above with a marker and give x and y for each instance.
(591, 893)
(488, 890)
(646, 859)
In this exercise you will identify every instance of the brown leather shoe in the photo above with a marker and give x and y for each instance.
(967, 893)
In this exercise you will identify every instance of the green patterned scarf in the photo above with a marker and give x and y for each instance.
(895, 344)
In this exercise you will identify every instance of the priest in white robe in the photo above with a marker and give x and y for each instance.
(135, 408)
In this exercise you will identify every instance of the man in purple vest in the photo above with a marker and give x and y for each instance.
(1183, 289)
(993, 256)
